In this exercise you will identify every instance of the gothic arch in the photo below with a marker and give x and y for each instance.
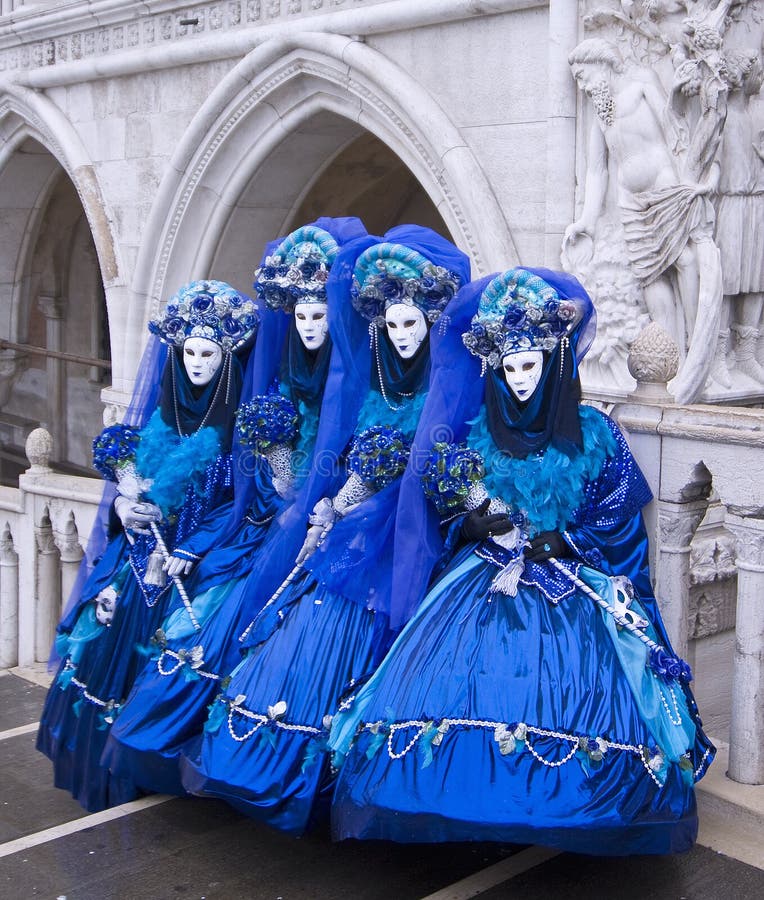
(25, 113)
(54, 229)
(245, 135)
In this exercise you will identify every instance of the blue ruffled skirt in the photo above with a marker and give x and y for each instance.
(497, 718)
(264, 745)
(167, 706)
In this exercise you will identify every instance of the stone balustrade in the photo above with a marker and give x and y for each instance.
(44, 525)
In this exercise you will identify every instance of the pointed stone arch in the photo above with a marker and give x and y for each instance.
(55, 230)
(282, 87)
(24, 114)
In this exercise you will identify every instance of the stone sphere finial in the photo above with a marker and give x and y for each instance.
(39, 447)
(653, 361)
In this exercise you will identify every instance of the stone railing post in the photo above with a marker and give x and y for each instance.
(677, 523)
(71, 557)
(48, 593)
(9, 601)
(747, 725)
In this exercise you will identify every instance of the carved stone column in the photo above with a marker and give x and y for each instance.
(71, 557)
(677, 523)
(48, 588)
(52, 308)
(9, 601)
(747, 725)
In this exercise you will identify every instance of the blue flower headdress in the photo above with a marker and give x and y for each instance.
(207, 309)
(298, 270)
(386, 274)
(519, 311)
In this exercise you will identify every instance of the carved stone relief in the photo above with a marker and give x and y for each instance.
(673, 205)
(159, 27)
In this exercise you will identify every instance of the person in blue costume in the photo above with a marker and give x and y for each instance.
(264, 746)
(170, 474)
(277, 430)
(533, 697)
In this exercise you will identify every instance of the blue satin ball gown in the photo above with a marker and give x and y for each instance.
(531, 718)
(99, 662)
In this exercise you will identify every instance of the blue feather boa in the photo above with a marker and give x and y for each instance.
(174, 463)
(547, 488)
(376, 412)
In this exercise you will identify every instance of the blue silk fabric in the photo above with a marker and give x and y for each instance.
(323, 646)
(520, 682)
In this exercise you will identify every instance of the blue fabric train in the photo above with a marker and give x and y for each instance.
(175, 473)
(533, 696)
(277, 429)
(264, 747)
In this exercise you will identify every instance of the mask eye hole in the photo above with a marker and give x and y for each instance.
(528, 366)
(409, 323)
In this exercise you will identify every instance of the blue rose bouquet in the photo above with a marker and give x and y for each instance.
(450, 472)
(265, 422)
(114, 447)
(378, 455)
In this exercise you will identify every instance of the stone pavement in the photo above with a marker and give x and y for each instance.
(163, 848)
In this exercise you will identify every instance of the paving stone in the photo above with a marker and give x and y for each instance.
(700, 874)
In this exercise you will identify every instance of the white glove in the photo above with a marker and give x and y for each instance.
(310, 543)
(177, 565)
(136, 516)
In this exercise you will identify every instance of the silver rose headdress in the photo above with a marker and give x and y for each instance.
(298, 270)
(519, 311)
(207, 309)
(387, 274)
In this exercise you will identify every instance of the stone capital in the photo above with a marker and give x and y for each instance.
(749, 541)
(677, 523)
(51, 306)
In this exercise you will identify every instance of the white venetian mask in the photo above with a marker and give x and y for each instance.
(406, 328)
(201, 358)
(522, 372)
(311, 323)
(105, 604)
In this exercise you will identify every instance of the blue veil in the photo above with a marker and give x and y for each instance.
(348, 376)
(456, 393)
(369, 533)
(265, 363)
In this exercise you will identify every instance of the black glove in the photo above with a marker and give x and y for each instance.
(479, 525)
(545, 545)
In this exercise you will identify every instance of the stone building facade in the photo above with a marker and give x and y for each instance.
(145, 143)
